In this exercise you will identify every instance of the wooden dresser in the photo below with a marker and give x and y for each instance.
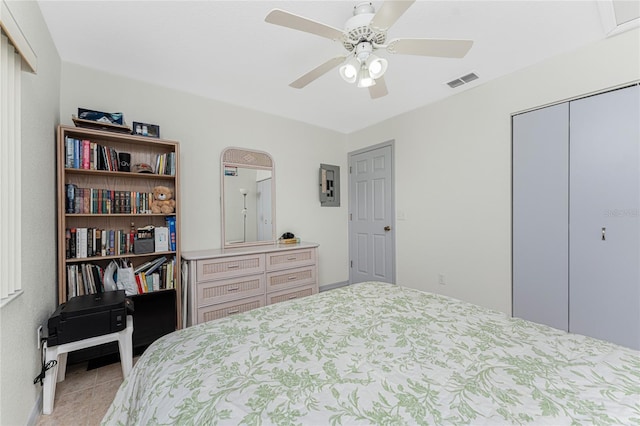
(230, 281)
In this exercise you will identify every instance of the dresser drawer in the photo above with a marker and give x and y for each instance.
(230, 289)
(226, 267)
(289, 278)
(296, 293)
(214, 312)
(290, 259)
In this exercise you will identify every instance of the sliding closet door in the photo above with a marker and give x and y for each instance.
(604, 283)
(540, 203)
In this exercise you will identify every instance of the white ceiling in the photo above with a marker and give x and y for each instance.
(224, 50)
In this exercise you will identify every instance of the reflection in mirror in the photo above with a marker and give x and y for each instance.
(247, 209)
(247, 198)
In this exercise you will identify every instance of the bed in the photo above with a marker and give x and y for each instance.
(377, 353)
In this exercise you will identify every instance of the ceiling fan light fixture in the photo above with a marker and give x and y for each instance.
(349, 71)
(364, 77)
(363, 34)
(377, 66)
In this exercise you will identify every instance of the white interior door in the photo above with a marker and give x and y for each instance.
(604, 230)
(371, 220)
(540, 226)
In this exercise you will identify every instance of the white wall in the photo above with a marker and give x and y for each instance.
(19, 357)
(458, 217)
(204, 128)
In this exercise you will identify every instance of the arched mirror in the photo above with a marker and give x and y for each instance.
(248, 198)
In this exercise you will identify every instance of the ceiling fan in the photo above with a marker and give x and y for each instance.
(365, 33)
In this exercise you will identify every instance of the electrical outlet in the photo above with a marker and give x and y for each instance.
(39, 332)
(441, 279)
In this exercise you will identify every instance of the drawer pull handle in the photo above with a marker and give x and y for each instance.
(292, 258)
(293, 277)
(232, 266)
(233, 289)
(292, 297)
(235, 311)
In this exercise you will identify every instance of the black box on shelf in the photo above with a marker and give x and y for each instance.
(145, 129)
(143, 245)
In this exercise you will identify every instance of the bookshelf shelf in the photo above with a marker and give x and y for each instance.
(120, 256)
(136, 215)
(127, 175)
(89, 181)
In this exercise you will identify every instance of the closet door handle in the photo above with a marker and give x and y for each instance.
(604, 234)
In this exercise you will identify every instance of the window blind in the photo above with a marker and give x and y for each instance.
(10, 163)
(16, 55)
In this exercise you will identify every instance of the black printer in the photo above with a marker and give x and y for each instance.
(87, 316)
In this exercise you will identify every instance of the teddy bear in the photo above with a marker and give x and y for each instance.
(162, 200)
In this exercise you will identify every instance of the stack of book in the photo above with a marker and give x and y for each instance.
(84, 154)
(105, 201)
(88, 155)
(91, 242)
(84, 278)
(294, 240)
(166, 164)
(157, 274)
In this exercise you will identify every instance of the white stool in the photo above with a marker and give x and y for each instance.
(59, 353)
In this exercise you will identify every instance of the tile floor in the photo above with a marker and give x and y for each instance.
(84, 396)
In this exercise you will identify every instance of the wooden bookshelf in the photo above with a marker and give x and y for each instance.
(135, 188)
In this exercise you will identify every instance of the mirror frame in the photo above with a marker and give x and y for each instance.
(251, 159)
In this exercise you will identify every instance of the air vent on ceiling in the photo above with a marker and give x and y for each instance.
(462, 80)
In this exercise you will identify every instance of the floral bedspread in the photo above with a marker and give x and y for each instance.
(376, 353)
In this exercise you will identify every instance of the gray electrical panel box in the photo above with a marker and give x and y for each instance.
(329, 185)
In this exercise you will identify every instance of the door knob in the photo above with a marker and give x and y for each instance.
(387, 228)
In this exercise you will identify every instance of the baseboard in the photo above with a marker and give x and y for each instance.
(333, 286)
(36, 411)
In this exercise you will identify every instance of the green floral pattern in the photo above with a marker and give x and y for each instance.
(376, 353)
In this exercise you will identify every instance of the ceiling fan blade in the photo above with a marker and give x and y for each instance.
(379, 89)
(430, 47)
(317, 72)
(287, 19)
(389, 13)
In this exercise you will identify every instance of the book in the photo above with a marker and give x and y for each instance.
(151, 265)
(98, 245)
(76, 153)
(163, 276)
(155, 279)
(138, 283)
(69, 146)
(289, 240)
(73, 240)
(171, 224)
(80, 289)
(90, 242)
(86, 154)
(70, 198)
(93, 162)
(104, 238)
(113, 160)
(103, 161)
(86, 200)
(81, 246)
(112, 242)
(97, 278)
(71, 287)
